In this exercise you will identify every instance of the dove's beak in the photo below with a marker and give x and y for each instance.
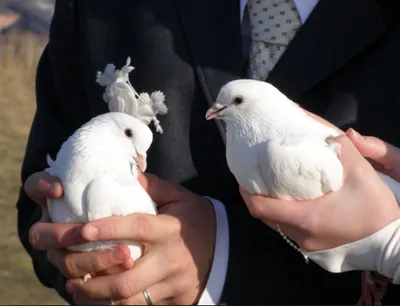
(215, 111)
(141, 160)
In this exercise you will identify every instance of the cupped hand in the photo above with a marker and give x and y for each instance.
(178, 250)
(361, 207)
(54, 238)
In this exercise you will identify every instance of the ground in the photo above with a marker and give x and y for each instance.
(18, 60)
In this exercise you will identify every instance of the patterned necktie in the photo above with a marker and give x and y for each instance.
(274, 23)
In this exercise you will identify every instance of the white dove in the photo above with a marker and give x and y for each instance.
(274, 148)
(98, 167)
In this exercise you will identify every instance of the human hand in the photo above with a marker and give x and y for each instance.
(361, 207)
(177, 256)
(53, 238)
(382, 155)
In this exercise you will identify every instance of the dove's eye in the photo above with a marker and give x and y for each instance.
(237, 100)
(129, 133)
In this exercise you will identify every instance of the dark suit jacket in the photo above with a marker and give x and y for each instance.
(344, 64)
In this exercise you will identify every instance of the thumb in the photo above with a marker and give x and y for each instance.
(160, 191)
(272, 210)
(378, 151)
(42, 185)
(349, 154)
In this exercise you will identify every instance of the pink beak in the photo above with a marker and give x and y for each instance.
(141, 160)
(214, 111)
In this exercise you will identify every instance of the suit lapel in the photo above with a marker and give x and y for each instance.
(335, 31)
(212, 29)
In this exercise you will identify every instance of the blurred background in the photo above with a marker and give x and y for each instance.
(24, 27)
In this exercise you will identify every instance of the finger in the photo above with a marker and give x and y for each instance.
(138, 226)
(349, 154)
(274, 211)
(124, 285)
(76, 264)
(42, 185)
(127, 265)
(161, 191)
(323, 121)
(378, 151)
(159, 294)
(45, 236)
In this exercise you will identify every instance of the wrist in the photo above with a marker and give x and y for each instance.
(378, 252)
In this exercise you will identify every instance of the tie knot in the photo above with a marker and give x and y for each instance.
(273, 21)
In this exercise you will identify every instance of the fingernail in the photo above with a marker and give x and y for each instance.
(91, 231)
(355, 134)
(52, 188)
(118, 255)
(70, 288)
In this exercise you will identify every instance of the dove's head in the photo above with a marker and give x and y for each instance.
(133, 135)
(246, 98)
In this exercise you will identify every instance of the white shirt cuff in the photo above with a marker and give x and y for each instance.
(216, 280)
(378, 252)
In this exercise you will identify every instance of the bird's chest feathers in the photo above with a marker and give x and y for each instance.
(241, 153)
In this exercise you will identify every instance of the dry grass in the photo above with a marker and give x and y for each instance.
(18, 61)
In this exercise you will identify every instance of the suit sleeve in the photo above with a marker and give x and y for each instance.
(54, 121)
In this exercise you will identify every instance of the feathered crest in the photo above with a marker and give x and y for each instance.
(122, 97)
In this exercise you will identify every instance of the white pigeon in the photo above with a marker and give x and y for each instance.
(98, 167)
(274, 148)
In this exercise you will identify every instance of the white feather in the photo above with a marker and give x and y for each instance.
(121, 96)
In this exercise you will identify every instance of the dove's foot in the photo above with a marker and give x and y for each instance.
(87, 277)
(330, 140)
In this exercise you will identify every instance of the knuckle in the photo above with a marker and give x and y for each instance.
(30, 183)
(69, 267)
(110, 229)
(124, 290)
(178, 260)
(40, 237)
(181, 285)
(141, 225)
(56, 237)
(98, 263)
(34, 235)
(255, 210)
(175, 227)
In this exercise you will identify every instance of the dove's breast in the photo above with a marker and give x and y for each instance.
(76, 167)
(242, 160)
